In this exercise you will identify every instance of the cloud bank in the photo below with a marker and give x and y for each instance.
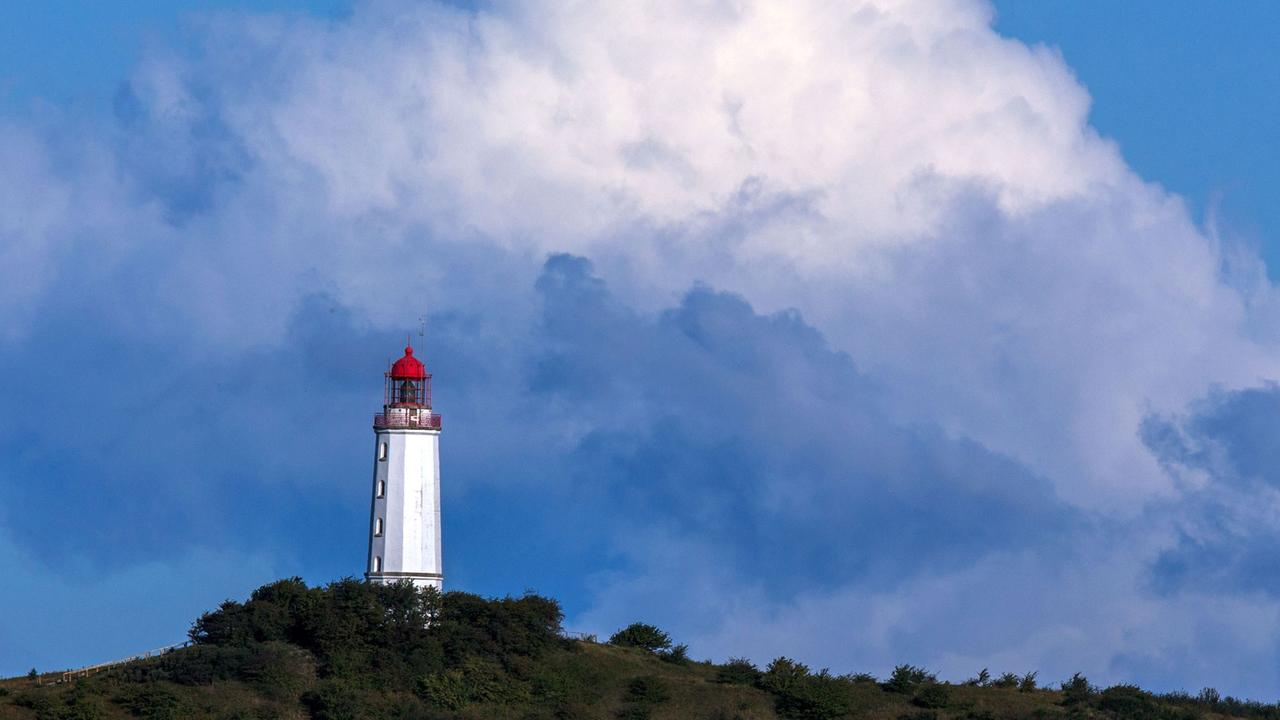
(829, 331)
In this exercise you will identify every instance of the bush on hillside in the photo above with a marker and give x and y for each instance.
(1027, 683)
(982, 679)
(783, 674)
(643, 636)
(801, 695)
(648, 689)
(154, 702)
(738, 671)
(932, 697)
(1129, 702)
(336, 699)
(1006, 680)
(677, 655)
(1077, 690)
(906, 678)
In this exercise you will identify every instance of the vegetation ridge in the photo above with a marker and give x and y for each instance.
(354, 650)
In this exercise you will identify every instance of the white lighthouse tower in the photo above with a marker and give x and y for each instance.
(404, 525)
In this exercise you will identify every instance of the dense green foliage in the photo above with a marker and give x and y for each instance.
(353, 650)
(643, 636)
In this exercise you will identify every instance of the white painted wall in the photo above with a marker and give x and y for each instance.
(410, 509)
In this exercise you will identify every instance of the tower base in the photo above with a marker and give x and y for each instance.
(421, 580)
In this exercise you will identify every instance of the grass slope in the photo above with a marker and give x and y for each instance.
(352, 650)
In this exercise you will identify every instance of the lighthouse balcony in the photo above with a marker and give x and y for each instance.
(405, 420)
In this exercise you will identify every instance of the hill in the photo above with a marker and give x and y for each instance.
(354, 650)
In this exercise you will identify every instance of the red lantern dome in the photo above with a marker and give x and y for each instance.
(408, 383)
(408, 367)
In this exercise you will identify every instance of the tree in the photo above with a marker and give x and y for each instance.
(783, 674)
(643, 636)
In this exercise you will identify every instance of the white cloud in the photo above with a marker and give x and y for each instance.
(928, 192)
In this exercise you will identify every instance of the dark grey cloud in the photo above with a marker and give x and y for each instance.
(750, 431)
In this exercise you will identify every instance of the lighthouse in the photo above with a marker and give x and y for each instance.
(404, 524)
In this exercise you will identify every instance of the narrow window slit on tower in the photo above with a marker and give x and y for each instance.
(382, 489)
(377, 528)
(382, 451)
(377, 563)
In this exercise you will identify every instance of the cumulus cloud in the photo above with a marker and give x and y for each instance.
(929, 193)
(939, 332)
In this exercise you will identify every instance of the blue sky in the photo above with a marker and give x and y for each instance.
(940, 334)
(1187, 89)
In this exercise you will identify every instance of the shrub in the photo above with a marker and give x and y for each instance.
(203, 664)
(738, 671)
(783, 674)
(1007, 680)
(1209, 696)
(444, 690)
(801, 695)
(647, 689)
(42, 704)
(1028, 682)
(1076, 691)
(83, 707)
(906, 678)
(1129, 702)
(577, 680)
(335, 699)
(643, 636)
(982, 679)
(678, 654)
(817, 697)
(154, 702)
(476, 681)
(933, 697)
(862, 678)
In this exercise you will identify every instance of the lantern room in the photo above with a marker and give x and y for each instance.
(408, 383)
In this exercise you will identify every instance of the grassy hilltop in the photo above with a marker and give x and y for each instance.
(354, 650)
